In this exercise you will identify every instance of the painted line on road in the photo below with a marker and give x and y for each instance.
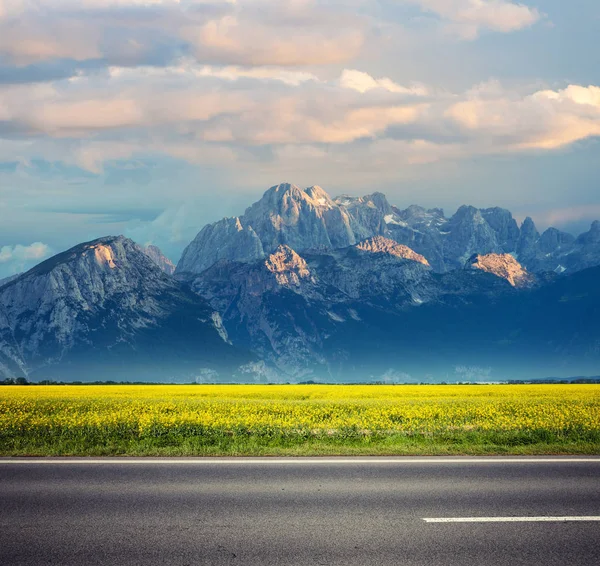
(510, 519)
(290, 461)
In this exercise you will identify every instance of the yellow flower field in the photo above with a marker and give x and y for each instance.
(299, 419)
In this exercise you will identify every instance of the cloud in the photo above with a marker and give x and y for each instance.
(15, 259)
(232, 40)
(192, 113)
(187, 69)
(363, 82)
(466, 18)
(543, 120)
(230, 115)
(570, 214)
(136, 32)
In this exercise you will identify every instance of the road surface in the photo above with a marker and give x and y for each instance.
(377, 511)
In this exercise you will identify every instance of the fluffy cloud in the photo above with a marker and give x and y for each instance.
(363, 82)
(233, 40)
(193, 113)
(15, 259)
(134, 32)
(467, 17)
(543, 120)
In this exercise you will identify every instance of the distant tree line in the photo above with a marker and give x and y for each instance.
(575, 380)
(25, 381)
(15, 381)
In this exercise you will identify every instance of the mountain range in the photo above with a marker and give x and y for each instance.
(311, 220)
(304, 286)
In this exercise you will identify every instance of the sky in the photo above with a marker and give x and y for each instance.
(151, 118)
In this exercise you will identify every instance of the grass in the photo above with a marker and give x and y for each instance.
(294, 420)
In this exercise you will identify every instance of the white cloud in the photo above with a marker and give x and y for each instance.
(363, 82)
(195, 113)
(233, 39)
(189, 69)
(242, 32)
(21, 256)
(543, 120)
(467, 17)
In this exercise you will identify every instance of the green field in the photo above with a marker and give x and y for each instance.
(187, 420)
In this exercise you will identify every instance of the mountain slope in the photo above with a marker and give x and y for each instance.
(311, 315)
(105, 310)
(156, 255)
(364, 311)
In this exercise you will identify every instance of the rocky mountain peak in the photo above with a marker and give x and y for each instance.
(379, 201)
(528, 239)
(279, 195)
(319, 196)
(107, 253)
(287, 266)
(419, 217)
(379, 244)
(528, 226)
(592, 236)
(156, 255)
(501, 265)
(504, 225)
(466, 211)
(228, 239)
(100, 303)
(552, 239)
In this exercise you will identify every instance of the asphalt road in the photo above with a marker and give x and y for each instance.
(308, 512)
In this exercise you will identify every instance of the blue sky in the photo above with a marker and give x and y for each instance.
(152, 118)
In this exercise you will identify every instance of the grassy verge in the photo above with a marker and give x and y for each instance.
(56, 442)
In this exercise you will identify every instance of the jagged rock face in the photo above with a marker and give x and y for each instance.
(553, 240)
(528, 239)
(231, 239)
(156, 255)
(287, 266)
(367, 215)
(504, 226)
(104, 309)
(310, 219)
(300, 219)
(504, 266)
(287, 215)
(469, 233)
(379, 244)
(558, 251)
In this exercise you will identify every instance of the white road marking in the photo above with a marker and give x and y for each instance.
(292, 461)
(510, 519)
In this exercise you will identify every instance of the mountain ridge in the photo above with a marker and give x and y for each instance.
(310, 219)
